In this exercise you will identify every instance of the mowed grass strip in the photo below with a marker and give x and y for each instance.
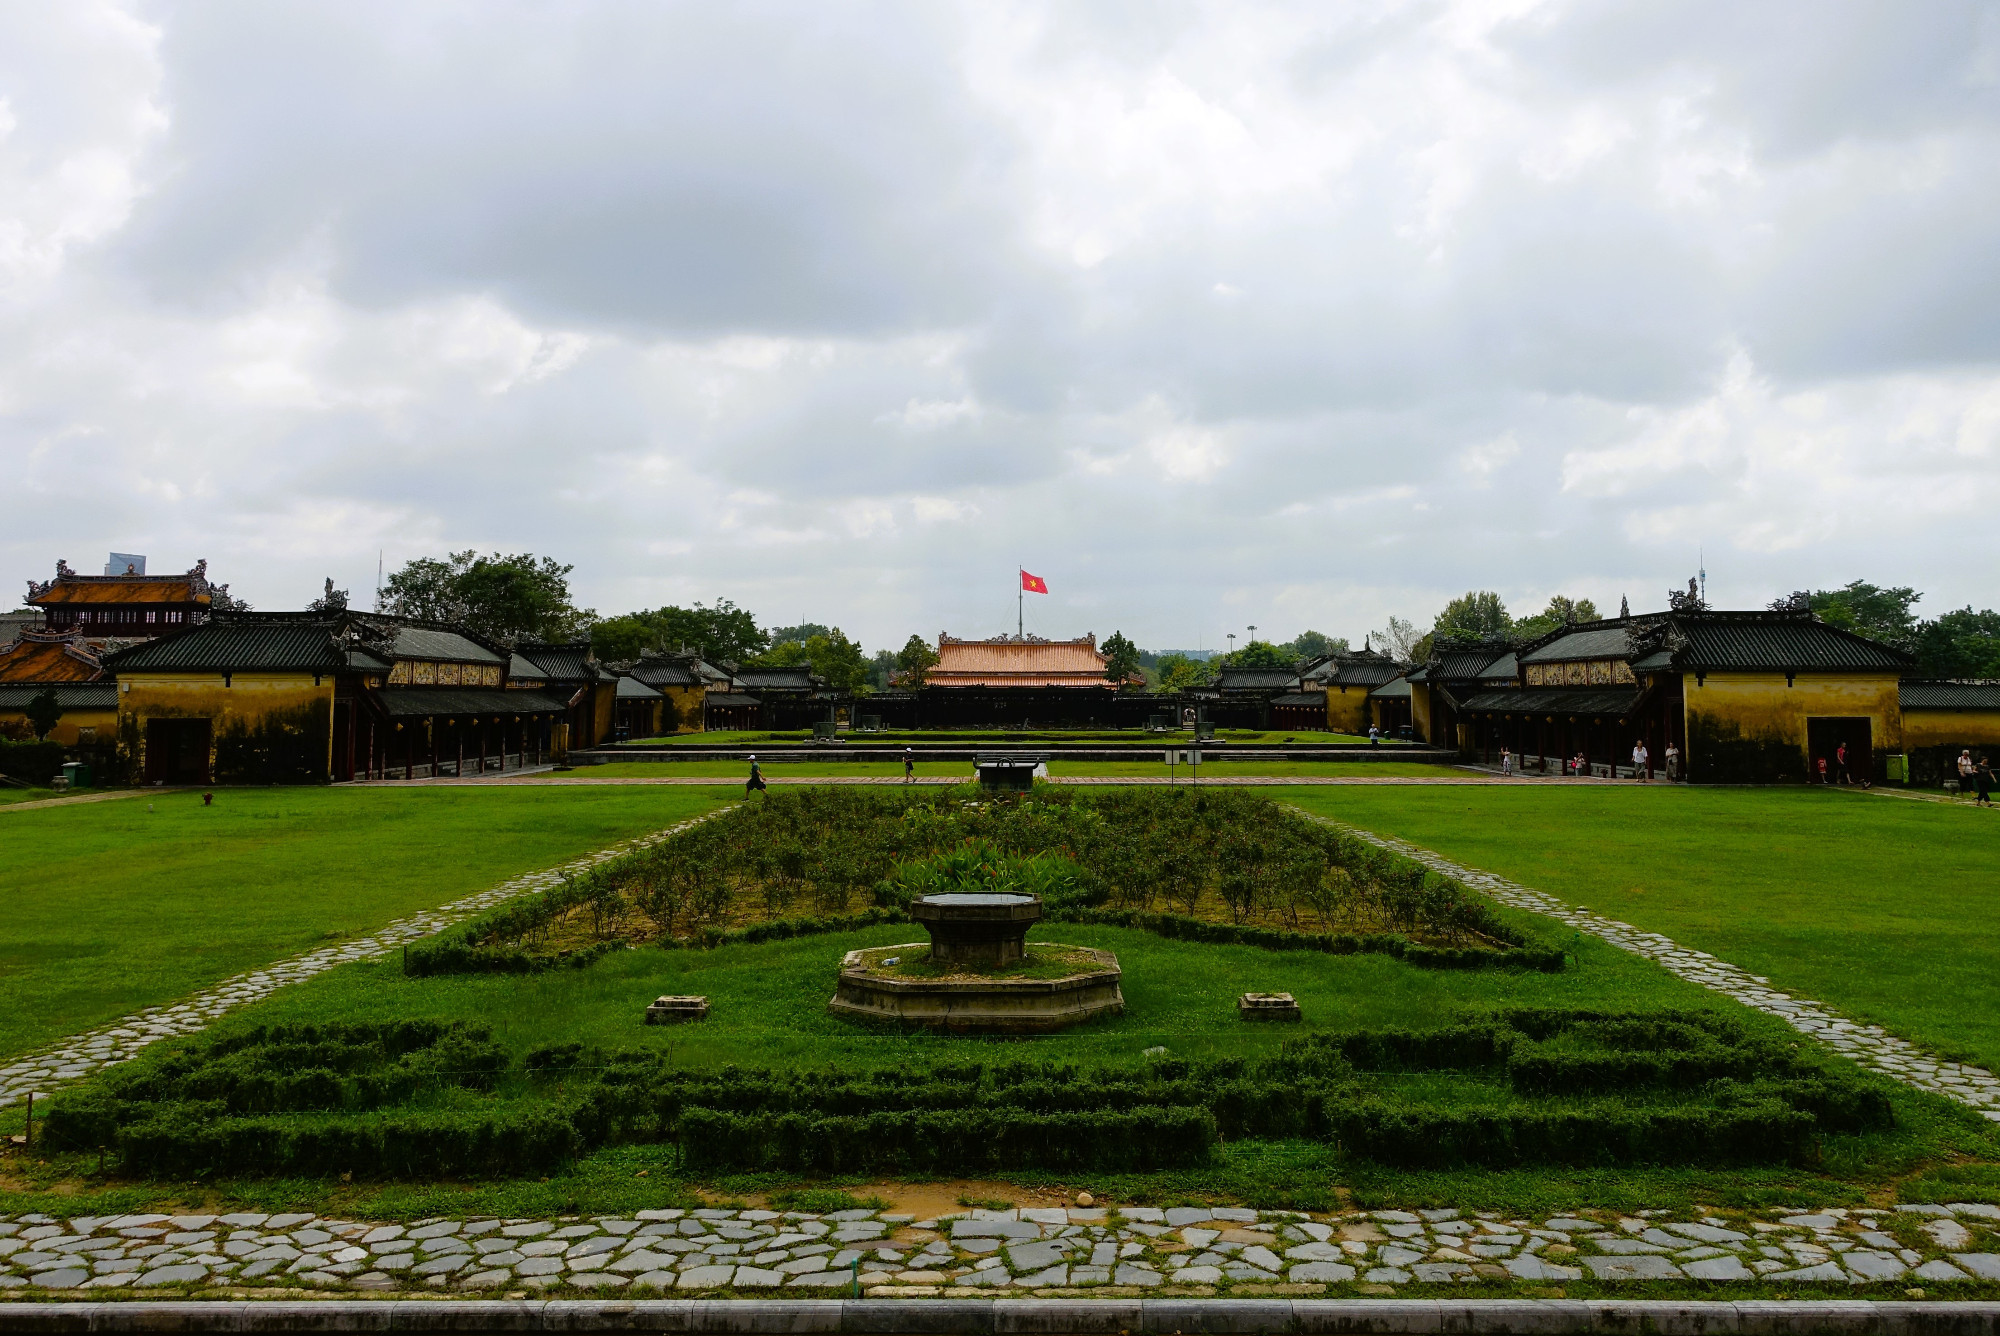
(949, 737)
(1889, 910)
(1058, 769)
(115, 906)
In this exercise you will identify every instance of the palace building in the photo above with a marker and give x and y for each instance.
(128, 606)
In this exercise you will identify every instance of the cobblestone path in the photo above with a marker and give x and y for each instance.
(1870, 1045)
(1123, 1250)
(81, 1055)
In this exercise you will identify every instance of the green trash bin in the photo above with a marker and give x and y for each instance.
(77, 774)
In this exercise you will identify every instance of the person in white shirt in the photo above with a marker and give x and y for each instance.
(1673, 762)
(1506, 761)
(1640, 756)
(1967, 768)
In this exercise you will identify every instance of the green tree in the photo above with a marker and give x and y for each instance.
(801, 633)
(1314, 645)
(330, 601)
(1259, 655)
(1177, 672)
(838, 660)
(1475, 615)
(722, 633)
(1959, 644)
(1562, 611)
(509, 598)
(1121, 658)
(44, 713)
(914, 661)
(1872, 610)
(1398, 640)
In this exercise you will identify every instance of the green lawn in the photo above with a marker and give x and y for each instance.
(1882, 907)
(965, 737)
(1058, 768)
(118, 905)
(9, 796)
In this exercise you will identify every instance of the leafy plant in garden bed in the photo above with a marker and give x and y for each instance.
(1222, 866)
(1520, 1087)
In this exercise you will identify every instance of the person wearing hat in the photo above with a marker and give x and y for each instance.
(756, 782)
(909, 766)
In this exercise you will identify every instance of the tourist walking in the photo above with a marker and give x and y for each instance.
(1581, 766)
(1983, 777)
(1840, 762)
(909, 767)
(756, 780)
(1374, 736)
(1822, 770)
(1640, 759)
(1506, 761)
(1673, 763)
(1967, 769)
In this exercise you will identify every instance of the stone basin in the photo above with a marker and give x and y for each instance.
(977, 930)
(975, 1005)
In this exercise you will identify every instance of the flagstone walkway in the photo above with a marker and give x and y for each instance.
(1124, 1250)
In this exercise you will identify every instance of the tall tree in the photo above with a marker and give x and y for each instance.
(1121, 658)
(914, 662)
(1872, 610)
(722, 633)
(1562, 611)
(838, 660)
(803, 632)
(1259, 655)
(44, 712)
(1177, 672)
(331, 600)
(1959, 644)
(1398, 640)
(1314, 645)
(521, 597)
(1475, 615)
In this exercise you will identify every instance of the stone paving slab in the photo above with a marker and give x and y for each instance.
(86, 1054)
(1869, 1045)
(1127, 1253)
(1009, 1317)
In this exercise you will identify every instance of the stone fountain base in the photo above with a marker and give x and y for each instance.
(973, 1005)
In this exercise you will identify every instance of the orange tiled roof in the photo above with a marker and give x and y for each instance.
(43, 658)
(1007, 662)
(122, 589)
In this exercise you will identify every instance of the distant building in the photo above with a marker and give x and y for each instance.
(1020, 661)
(128, 607)
(1348, 678)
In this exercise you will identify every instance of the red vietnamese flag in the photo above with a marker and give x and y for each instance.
(1033, 584)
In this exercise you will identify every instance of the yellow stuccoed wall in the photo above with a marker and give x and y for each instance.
(14, 724)
(257, 722)
(1420, 711)
(1347, 709)
(688, 703)
(1751, 726)
(1947, 728)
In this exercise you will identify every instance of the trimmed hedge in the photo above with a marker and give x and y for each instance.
(1182, 928)
(960, 1141)
(1547, 1086)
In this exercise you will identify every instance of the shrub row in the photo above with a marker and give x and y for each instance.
(1763, 1132)
(957, 1141)
(189, 1141)
(1182, 928)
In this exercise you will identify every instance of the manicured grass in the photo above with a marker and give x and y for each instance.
(119, 905)
(1098, 737)
(738, 771)
(10, 796)
(768, 1001)
(1883, 907)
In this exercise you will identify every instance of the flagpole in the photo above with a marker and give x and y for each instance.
(1020, 600)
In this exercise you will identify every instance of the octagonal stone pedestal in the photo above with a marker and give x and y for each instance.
(973, 1005)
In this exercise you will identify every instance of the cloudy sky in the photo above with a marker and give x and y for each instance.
(1212, 315)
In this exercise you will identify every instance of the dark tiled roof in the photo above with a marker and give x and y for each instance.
(560, 663)
(1588, 640)
(1658, 661)
(1503, 669)
(403, 702)
(520, 670)
(1316, 699)
(658, 673)
(366, 661)
(271, 642)
(1777, 642)
(1951, 695)
(423, 642)
(631, 688)
(1255, 679)
(1614, 701)
(1396, 690)
(731, 700)
(70, 695)
(1370, 670)
(776, 679)
(1461, 665)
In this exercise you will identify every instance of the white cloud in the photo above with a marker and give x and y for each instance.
(1264, 311)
